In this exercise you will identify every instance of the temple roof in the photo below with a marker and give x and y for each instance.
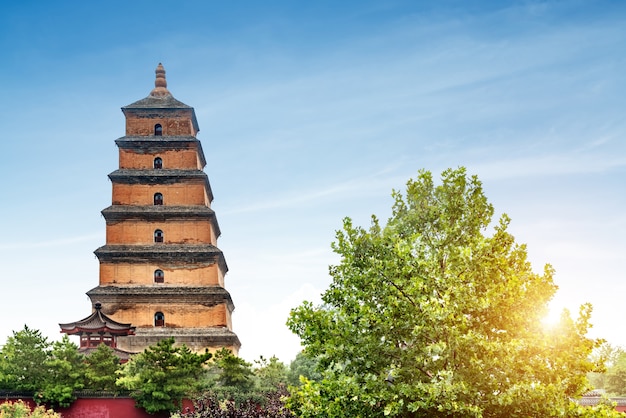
(97, 322)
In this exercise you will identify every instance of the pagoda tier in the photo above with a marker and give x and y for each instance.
(160, 144)
(160, 268)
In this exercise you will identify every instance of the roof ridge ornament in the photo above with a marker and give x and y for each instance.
(160, 83)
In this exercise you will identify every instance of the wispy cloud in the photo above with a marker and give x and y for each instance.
(547, 165)
(375, 183)
(50, 243)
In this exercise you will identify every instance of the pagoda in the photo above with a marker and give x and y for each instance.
(161, 269)
(98, 329)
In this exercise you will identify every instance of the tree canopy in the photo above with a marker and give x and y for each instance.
(235, 388)
(101, 371)
(65, 374)
(438, 313)
(22, 359)
(162, 375)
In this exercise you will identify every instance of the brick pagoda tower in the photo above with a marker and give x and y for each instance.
(160, 269)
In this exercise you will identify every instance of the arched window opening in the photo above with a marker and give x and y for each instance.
(159, 319)
(158, 199)
(158, 236)
(158, 163)
(158, 129)
(159, 276)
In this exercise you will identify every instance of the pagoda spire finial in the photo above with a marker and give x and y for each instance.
(160, 84)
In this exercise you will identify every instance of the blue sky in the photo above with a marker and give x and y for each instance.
(310, 112)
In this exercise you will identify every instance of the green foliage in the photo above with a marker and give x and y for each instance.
(606, 355)
(230, 377)
(29, 363)
(234, 388)
(19, 409)
(101, 371)
(303, 366)
(21, 361)
(162, 375)
(270, 374)
(66, 373)
(233, 371)
(429, 315)
(615, 377)
(210, 406)
(602, 410)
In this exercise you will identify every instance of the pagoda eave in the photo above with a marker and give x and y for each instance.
(152, 144)
(173, 254)
(217, 336)
(161, 176)
(160, 213)
(200, 295)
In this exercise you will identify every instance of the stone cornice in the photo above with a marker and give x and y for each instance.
(201, 295)
(160, 213)
(217, 336)
(174, 254)
(161, 176)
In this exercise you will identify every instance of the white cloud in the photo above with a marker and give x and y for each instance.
(262, 327)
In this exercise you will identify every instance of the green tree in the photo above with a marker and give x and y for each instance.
(233, 371)
(234, 388)
(101, 371)
(66, 374)
(303, 366)
(162, 375)
(438, 313)
(22, 361)
(615, 376)
(609, 356)
(230, 377)
(19, 409)
(271, 374)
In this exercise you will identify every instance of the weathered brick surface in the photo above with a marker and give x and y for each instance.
(182, 159)
(173, 123)
(175, 232)
(143, 274)
(177, 315)
(173, 194)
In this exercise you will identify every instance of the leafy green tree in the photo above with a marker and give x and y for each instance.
(615, 376)
(162, 375)
(609, 356)
(22, 361)
(303, 366)
(234, 388)
(101, 370)
(230, 378)
(19, 409)
(438, 313)
(209, 405)
(233, 371)
(271, 374)
(66, 374)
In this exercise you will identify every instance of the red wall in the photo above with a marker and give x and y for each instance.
(102, 408)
